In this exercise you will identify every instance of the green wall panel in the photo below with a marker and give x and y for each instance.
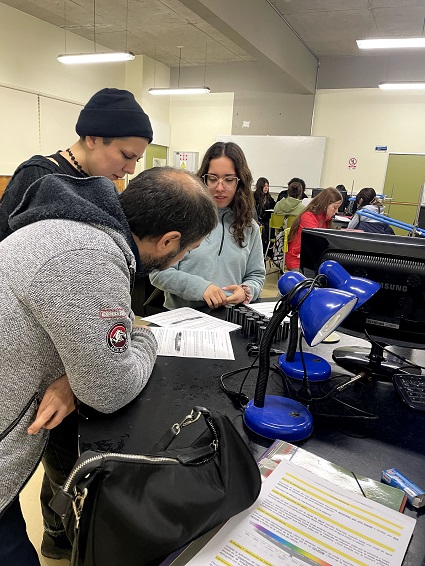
(403, 182)
(154, 151)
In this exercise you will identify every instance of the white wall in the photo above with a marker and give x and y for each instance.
(355, 121)
(197, 120)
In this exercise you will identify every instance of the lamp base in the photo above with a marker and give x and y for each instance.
(280, 417)
(317, 368)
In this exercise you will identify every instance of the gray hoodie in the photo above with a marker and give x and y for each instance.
(65, 308)
(219, 260)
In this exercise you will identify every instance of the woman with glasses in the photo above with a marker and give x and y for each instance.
(228, 266)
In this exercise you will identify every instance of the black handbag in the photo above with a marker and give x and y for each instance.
(134, 510)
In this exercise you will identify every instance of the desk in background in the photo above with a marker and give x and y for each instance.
(397, 439)
(340, 221)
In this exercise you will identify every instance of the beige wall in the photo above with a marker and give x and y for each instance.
(355, 121)
(197, 120)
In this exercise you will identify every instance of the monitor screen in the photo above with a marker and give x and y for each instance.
(396, 314)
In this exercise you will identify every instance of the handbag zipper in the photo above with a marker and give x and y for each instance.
(67, 485)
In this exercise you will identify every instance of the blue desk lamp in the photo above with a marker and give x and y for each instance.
(292, 363)
(320, 311)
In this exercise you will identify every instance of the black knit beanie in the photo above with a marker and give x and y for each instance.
(114, 113)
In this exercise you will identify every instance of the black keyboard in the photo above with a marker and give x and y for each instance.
(411, 389)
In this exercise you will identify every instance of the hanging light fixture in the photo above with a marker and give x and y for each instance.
(96, 57)
(391, 43)
(182, 90)
(407, 85)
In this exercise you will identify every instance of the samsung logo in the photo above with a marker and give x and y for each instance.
(394, 287)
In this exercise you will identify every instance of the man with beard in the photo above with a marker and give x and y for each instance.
(67, 273)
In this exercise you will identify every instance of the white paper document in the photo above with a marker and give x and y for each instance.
(301, 519)
(186, 317)
(266, 309)
(213, 344)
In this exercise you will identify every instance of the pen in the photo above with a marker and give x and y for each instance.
(184, 320)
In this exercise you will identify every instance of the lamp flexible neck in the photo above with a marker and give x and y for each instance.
(264, 352)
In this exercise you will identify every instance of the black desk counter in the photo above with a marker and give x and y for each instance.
(395, 439)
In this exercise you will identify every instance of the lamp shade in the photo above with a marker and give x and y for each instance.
(321, 311)
(339, 278)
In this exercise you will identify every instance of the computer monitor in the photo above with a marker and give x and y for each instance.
(396, 314)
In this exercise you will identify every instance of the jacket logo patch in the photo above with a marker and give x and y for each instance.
(117, 338)
(112, 313)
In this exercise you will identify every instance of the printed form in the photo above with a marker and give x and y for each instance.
(212, 344)
(302, 519)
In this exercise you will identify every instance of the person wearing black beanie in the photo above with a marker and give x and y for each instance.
(114, 132)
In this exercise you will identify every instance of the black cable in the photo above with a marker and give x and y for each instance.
(385, 349)
(305, 387)
(238, 399)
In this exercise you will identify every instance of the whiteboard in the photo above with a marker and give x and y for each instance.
(280, 158)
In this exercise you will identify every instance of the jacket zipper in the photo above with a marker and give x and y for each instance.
(19, 417)
(222, 233)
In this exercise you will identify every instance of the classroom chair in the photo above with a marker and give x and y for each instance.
(276, 222)
(284, 228)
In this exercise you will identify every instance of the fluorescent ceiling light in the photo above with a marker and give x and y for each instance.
(395, 43)
(109, 57)
(403, 86)
(180, 90)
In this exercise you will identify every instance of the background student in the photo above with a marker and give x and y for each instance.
(264, 202)
(228, 267)
(318, 214)
(114, 133)
(291, 205)
(284, 193)
(367, 200)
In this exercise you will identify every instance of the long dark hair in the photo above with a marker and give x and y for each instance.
(318, 205)
(367, 196)
(243, 201)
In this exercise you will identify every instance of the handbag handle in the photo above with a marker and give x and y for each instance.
(175, 429)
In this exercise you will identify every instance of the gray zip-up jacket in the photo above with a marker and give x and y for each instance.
(65, 282)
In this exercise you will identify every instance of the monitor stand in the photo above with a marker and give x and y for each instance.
(378, 364)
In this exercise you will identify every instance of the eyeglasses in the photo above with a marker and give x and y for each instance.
(229, 182)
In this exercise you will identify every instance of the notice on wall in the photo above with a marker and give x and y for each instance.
(352, 163)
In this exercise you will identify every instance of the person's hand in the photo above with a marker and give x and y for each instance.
(214, 296)
(57, 403)
(237, 296)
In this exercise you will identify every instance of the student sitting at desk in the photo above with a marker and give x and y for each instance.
(367, 200)
(318, 214)
(284, 193)
(228, 267)
(264, 202)
(291, 205)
